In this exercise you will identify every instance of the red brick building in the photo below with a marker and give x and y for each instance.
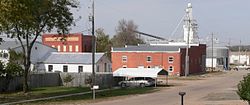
(170, 58)
(76, 42)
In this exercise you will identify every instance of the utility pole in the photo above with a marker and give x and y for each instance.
(212, 51)
(187, 47)
(239, 52)
(93, 49)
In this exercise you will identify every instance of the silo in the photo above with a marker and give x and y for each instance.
(220, 57)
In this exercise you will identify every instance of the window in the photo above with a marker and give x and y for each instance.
(170, 59)
(1, 54)
(109, 68)
(76, 48)
(124, 66)
(59, 48)
(64, 48)
(105, 67)
(5, 55)
(70, 48)
(80, 69)
(97, 68)
(170, 68)
(149, 58)
(50, 68)
(124, 58)
(65, 68)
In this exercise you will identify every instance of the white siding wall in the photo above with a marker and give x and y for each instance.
(71, 67)
(209, 62)
(234, 59)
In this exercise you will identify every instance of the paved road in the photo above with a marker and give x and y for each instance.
(216, 90)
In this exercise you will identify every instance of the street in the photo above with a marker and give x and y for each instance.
(214, 90)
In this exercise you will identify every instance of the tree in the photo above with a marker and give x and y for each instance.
(125, 34)
(103, 43)
(27, 19)
(244, 89)
(15, 57)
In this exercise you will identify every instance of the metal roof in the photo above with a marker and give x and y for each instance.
(9, 45)
(72, 58)
(137, 72)
(149, 48)
(6, 45)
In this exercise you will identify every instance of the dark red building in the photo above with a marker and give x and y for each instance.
(170, 58)
(76, 42)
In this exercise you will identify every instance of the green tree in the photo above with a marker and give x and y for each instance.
(27, 19)
(244, 89)
(15, 57)
(125, 34)
(103, 43)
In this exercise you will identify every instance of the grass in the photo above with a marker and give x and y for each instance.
(100, 95)
(40, 93)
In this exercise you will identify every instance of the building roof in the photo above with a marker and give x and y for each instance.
(9, 45)
(15, 44)
(71, 58)
(70, 34)
(138, 72)
(149, 48)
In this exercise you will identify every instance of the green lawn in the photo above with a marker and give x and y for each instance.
(40, 93)
(56, 91)
(101, 95)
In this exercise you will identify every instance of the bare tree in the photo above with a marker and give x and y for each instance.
(125, 34)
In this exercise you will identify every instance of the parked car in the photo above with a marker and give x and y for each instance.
(242, 67)
(137, 82)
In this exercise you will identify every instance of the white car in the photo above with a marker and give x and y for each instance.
(242, 67)
(137, 82)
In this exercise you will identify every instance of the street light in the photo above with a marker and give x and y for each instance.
(182, 95)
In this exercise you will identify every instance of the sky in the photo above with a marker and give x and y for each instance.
(229, 20)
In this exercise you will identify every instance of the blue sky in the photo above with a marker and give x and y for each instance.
(227, 19)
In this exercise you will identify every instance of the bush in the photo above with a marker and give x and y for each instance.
(244, 89)
(67, 79)
(8, 72)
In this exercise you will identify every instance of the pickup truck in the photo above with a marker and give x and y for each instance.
(242, 67)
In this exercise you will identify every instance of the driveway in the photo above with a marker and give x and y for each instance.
(215, 90)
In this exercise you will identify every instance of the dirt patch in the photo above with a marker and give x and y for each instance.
(221, 96)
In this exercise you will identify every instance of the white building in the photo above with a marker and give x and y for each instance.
(242, 58)
(38, 52)
(4, 50)
(220, 57)
(75, 62)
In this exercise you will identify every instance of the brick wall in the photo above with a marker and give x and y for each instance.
(72, 43)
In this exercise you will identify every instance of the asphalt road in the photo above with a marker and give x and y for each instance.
(215, 90)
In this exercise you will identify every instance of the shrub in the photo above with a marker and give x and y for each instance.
(67, 79)
(244, 89)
